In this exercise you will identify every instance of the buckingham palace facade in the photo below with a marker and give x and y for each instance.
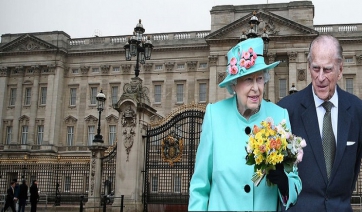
(49, 80)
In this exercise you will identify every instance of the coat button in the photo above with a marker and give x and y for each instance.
(247, 188)
(247, 130)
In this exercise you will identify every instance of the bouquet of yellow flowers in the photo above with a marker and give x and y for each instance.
(270, 145)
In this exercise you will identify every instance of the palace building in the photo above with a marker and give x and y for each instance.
(50, 82)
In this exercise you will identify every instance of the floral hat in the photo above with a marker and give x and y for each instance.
(245, 58)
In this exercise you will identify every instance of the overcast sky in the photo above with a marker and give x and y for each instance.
(83, 18)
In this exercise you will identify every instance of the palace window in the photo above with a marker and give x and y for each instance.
(9, 131)
(112, 134)
(73, 97)
(348, 59)
(75, 71)
(116, 69)
(202, 92)
(70, 135)
(40, 135)
(91, 133)
(158, 67)
(179, 93)
(95, 70)
(114, 94)
(43, 95)
(203, 65)
(93, 95)
(349, 85)
(282, 88)
(24, 134)
(180, 66)
(157, 93)
(27, 96)
(12, 99)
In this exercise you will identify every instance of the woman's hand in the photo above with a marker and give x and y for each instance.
(279, 178)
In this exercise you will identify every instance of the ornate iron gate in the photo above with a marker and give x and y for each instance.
(170, 156)
(109, 173)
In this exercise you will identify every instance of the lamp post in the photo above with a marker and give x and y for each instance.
(101, 98)
(136, 47)
(253, 33)
(57, 192)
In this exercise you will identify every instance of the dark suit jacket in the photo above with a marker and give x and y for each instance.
(10, 195)
(317, 193)
(34, 195)
(23, 191)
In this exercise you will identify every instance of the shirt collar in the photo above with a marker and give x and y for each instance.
(318, 102)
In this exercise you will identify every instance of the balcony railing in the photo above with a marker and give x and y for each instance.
(124, 38)
(338, 28)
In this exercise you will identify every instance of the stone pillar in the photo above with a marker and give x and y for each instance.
(5, 96)
(34, 106)
(135, 114)
(213, 77)
(271, 83)
(53, 109)
(19, 71)
(95, 179)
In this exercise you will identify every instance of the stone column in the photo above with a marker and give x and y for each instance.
(95, 179)
(213, 77)
(271, 83)
(53, 108)
(34, 106)
(19, 72)
(5, 96)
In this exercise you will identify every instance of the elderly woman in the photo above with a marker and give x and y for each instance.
(222, 179)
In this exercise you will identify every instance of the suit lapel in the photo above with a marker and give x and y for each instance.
(314, 140)
(343, 126)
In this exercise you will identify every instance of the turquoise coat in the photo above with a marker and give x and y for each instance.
(221, 179)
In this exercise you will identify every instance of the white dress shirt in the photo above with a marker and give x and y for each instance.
(321, 111)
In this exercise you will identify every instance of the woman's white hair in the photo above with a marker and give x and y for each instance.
(233, 82)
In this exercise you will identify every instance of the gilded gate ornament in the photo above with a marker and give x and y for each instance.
(171, 150)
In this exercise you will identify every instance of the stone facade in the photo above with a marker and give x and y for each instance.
(49, 80)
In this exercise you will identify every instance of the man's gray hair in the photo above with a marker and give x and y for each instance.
(324, 39)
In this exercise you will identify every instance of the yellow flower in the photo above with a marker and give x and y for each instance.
(259, 172)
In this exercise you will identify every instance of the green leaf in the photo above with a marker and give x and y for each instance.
(250, 160)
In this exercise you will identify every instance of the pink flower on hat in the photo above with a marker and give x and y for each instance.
(246, 55)
(248, 58)
(233, 61)
(248, 64)
(233, 69)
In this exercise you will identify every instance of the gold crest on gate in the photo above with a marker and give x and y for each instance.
(171, 150)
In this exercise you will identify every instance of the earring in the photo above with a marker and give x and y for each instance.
(234, 92)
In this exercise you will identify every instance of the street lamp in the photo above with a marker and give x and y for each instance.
(253, 32)
(293, 89)
(136, 47)
(101, 98)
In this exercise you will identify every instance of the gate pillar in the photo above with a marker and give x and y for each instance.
(135, 114)
(95, 179)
